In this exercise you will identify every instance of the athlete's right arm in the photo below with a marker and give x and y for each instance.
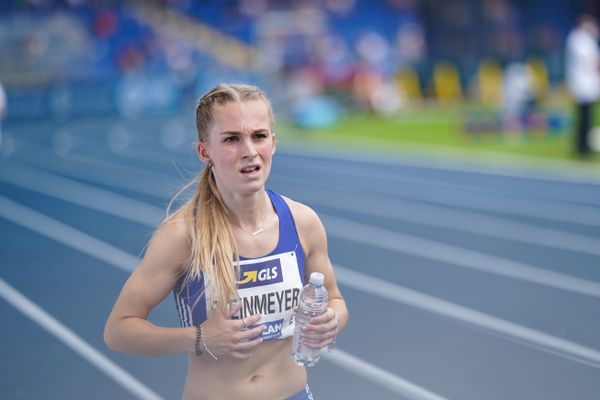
(127, 329)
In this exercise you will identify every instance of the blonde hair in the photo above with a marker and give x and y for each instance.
(213, 248)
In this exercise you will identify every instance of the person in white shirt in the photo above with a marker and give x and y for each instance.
(2, 108)
(583, 76)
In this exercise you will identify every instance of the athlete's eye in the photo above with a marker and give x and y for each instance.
(261, 135)
(230, 139)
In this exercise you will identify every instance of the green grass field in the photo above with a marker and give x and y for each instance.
(438, 129)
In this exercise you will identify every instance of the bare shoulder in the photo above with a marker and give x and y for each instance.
(309, 226)
(304, 216)
(173, 230)
(170, 244)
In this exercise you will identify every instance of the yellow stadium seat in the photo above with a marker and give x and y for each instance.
(489, 81)
(446, 83)
(407, 84)
(541, 83)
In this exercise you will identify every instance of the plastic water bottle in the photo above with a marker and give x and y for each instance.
(312, 303)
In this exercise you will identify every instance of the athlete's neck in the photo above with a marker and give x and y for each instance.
(249, 213)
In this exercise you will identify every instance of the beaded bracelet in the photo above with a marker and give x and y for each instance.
(198, 340)
(209, 352)
(200, 343)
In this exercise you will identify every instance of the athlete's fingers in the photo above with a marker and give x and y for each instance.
(322, 323)
(250, 334)
(317, 345)
(318, 341)
(248, 322)
(248, 344)
(234, 307)
(327, 316)
(319, 328)
(316, 337)
(243, 349)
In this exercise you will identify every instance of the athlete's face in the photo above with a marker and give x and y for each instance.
(240, 145)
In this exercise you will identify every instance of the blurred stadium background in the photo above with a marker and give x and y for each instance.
(470, 73)
(468, 274)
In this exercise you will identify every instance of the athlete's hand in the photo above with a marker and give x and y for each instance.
(229, 337)
(321, 330)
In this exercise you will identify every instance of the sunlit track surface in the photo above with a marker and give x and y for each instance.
(462, 282)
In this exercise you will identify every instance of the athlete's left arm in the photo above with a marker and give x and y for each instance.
(322, 330)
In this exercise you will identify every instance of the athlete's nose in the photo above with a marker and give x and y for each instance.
(248, 148)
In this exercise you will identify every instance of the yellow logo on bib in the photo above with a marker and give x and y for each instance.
(251, 276)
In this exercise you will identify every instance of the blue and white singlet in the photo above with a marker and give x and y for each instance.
(268, 285)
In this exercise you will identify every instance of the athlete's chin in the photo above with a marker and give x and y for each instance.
(251, 187)
(255, 182)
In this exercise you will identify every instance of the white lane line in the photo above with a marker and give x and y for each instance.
(537, 339)
(62, 150)
(63, 142)
(145, 182)
(120, 259)
(75, 343)
(124, 142)
(390, 240)
(379, 376)
(571, 171)
(347, 230)
(451, 219)
(71, 237)
(65, 234)
(553, 170)
(81, 194)
(512, 230)
(149, 156)
(501, 202)
(88, 169)
(104, 163)
(399, 209)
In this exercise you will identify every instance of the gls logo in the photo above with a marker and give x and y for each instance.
(259, 274)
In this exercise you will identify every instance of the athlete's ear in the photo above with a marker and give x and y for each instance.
(202, 151)
(274, 144)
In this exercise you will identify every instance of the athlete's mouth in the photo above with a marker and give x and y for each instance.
(250, 169)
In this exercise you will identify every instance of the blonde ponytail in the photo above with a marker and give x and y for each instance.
(213, 248)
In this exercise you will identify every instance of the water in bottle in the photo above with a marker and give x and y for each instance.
(312, 303)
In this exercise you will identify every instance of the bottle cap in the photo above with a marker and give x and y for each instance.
(317, 278)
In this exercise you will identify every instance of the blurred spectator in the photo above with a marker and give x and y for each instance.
(377, 56)
(583, 76)
(410, 44)
(373, 86)
(2, 101)
(517, 96)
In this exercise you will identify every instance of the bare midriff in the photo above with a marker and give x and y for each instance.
(268, 374)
